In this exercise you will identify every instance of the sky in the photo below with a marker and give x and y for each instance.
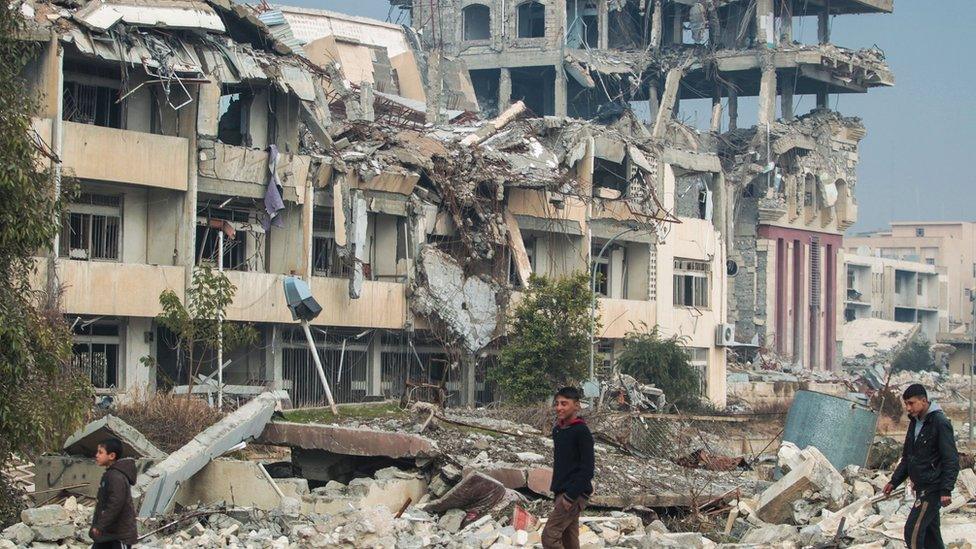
(921, 133)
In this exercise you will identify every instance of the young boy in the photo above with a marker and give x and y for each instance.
(114, 521)
(572, 471)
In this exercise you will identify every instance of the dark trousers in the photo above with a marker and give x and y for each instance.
(922, 527)
(115, 544)
(562, 528)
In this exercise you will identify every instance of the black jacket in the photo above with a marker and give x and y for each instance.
(573, 462)
(931, 460)
(115, 514)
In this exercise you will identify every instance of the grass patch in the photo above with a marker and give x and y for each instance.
(379, 410)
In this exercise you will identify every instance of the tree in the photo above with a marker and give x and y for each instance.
(665, 362)
(914, 357)
(548, 339)
(42, 397)
(196, 323)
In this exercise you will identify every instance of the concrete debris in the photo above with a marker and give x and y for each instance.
(86, 440)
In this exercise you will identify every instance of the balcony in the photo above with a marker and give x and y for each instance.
(260, 298)
(124, 156)
(619, 316)
(243, 171)
(113, 289)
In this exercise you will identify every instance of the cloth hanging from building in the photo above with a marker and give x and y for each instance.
(272, 197)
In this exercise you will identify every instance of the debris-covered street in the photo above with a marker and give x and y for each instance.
(292, 277)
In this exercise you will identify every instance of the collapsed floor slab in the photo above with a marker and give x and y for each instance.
(347, 441)
(85, 441)
(156, 490)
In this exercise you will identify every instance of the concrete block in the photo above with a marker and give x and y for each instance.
(47, 515)
(85, 441)
(347, 441)
(814, 473)
(475, 492)
(452, 520)
(53, 532)
(539, 479)
(239, 483)
(514, 478)
(19, 533)
(293, 487)
(769, 534)
(83, 474)
(156, 490)
(687, 540)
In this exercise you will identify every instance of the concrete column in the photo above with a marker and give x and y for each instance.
(560, 91)
(308, 213)
(786, 97)
(374, 366)
(786, 24)
(767, 97)
(469, 389)
(765, 33)
(188, 234)
(822, 99)
(677, 30)
(823, 27)
(52, 86)
(733, 108)
(656, 22)
(716, 123)
(504, 88)
(668, 100)
(273, 364)
(603, 22)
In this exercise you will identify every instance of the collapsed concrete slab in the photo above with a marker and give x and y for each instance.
(346, 440)
(514, 478)
(240, 483)
(475, 493)
(156, 490)
(812, 472)
(75, 475)
(85, 441)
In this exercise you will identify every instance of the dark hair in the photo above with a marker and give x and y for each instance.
(572, 393)
(112, 446)
(915, 390)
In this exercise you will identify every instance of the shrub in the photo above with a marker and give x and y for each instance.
(665, 362)
(914, 357)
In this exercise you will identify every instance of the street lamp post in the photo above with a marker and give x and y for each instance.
(593, 298)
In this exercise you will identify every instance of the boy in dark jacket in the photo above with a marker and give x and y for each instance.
(114, 521)
(572, 471)
(930, 460)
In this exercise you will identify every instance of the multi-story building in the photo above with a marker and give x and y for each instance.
(781, 193)
(894, 289)
(948, 245)
(199, 134)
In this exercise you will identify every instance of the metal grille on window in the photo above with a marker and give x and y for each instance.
(92, 228)
(96, 351)
(344, 359)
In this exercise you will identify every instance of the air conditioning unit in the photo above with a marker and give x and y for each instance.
(724, 335)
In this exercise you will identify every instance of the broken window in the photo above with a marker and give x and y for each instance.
(601, 266)
(96, 351)
(611, 176)
(207, 238)
(233, 116)
(513, 274)
(485, 83)
(850, 280)
(698, 359)
(693, 199)
(810, 198)
(624, 27)
(91, 99)
(691, 283)
(920, 285)
(535, 86)
(326, 260)
(850, 314)
(531, 20)
(476, 22)
(919, 231)
(92, 228)
(582, 29)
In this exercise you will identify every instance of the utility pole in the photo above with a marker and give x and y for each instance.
(220, 326)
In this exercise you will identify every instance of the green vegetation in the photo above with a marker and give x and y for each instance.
(664, 362)
(548, 340)
(358, 411)
(42, 397)
(914, 357)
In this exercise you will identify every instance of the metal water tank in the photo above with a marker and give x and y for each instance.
(841, 429)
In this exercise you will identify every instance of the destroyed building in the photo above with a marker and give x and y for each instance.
(195, 127)
(780, 193)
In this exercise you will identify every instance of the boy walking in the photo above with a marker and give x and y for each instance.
(930, 460)
(114, 521)
(572, 471)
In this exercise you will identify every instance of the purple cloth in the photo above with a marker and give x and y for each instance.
(272, 197)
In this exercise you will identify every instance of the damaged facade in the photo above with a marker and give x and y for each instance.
(197, 127)
(780, 193)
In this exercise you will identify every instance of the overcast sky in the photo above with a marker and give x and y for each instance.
(916, 161)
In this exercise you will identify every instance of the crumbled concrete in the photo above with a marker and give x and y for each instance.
(19, 533)
(85, 441)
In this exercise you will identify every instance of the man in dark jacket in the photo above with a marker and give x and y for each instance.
(930, 460)
(114, 521)
(572, 471)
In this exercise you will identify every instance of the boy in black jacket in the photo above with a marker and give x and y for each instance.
(114, 521)
(572, 471)
(931, 461)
